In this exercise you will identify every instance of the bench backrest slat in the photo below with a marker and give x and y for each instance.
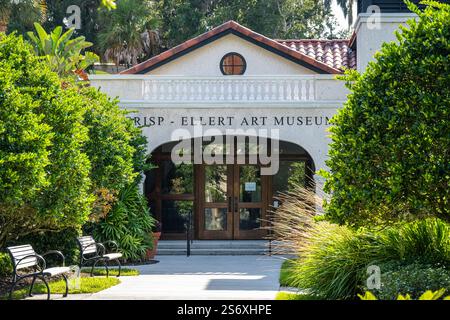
(19, 252)
(87, 245)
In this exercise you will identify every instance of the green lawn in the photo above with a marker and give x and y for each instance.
(87, 285)
(294, 296)
(285, 281)
(112, 272)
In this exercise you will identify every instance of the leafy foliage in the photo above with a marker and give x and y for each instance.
(181, 20)
(5, 265)
(116, 148)
(333, 259)
(333, 263)
(62, 53)
(127, 33)
(129, 223)
(109, 4)
(427, 295)
(44, 176)
(389, 158)
(413, 279)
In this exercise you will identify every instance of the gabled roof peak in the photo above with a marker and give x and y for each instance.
(275, 46)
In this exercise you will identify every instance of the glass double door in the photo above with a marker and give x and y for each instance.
(233, 201)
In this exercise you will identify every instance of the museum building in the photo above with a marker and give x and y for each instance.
(236, 103)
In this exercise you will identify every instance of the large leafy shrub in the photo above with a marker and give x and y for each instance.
(389, 156)
(129, 223)
(44, 175)
(116, 148)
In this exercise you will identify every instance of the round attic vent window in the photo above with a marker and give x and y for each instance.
(233, 64)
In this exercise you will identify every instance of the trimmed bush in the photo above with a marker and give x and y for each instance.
(389, 158)
(44, 181)
(413, 279)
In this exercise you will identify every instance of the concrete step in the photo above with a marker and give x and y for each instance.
(216, 247)
(212, 252)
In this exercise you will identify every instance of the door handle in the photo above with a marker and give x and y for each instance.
(230, 204)
(235, 204)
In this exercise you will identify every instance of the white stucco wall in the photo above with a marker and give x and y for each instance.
(205, 60)
(372, 31)
(307, 133)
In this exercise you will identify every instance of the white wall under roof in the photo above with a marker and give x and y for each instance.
(205, 60)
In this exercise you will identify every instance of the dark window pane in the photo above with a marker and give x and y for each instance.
(150, 181)
(249, 218)
(177, 178)
(175, 215)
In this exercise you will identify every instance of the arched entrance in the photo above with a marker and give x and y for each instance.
(229, 195)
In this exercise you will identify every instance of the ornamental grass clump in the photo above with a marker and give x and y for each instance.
(332, 260)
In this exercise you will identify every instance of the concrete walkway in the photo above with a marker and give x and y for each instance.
(199, 277)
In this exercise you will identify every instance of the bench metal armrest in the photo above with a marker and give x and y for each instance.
(39, 257)
(58, 253)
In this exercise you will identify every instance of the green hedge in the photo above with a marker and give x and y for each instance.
(413, 279)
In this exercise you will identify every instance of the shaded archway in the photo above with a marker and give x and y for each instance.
(174, 189)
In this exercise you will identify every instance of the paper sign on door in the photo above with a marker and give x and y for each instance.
(250, 186)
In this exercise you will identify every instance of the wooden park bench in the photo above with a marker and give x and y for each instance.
(24, 257)
(92, 252)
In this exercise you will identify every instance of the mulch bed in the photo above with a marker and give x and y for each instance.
(139, 263)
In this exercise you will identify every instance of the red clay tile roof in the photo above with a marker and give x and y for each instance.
(334, 53)
(306, 59)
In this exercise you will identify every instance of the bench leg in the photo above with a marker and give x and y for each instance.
(67, 285)
(120, 267)
(93, 266)
(46, 285)
(30, 293)
(13, 286)
(106, 267)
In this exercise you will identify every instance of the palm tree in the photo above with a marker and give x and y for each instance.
(347, 9)
(128, 33)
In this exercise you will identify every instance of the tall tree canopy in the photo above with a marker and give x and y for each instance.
(129, 31)
(182, 19)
